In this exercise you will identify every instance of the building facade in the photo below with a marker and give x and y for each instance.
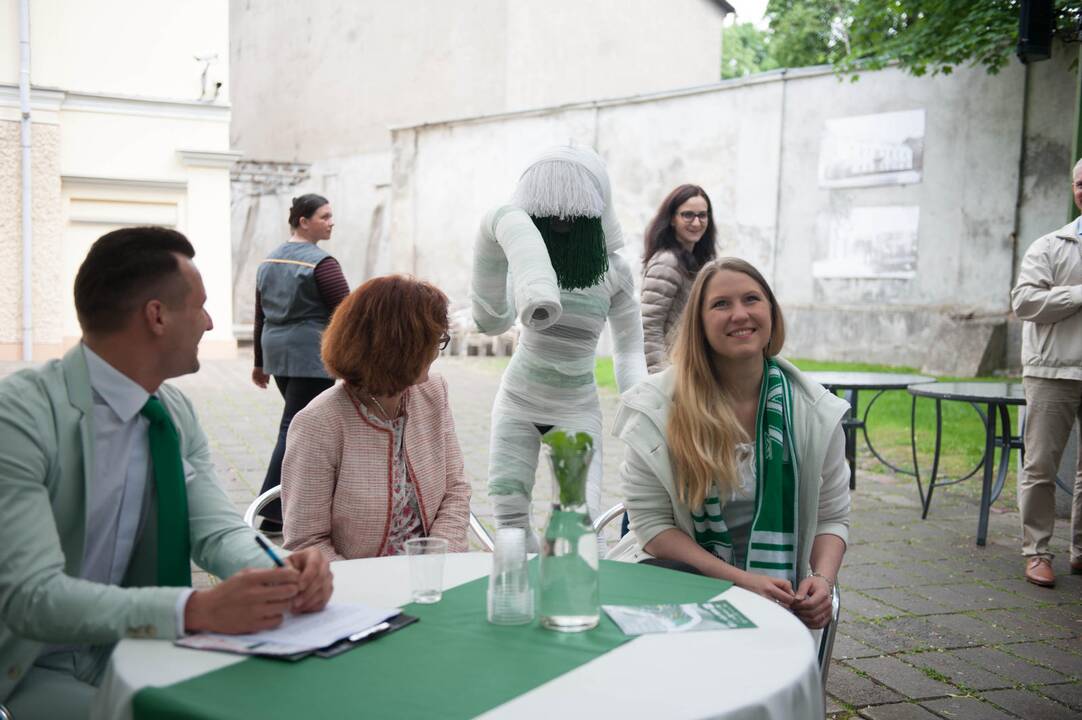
(890, 214)
(322, 83)
(129, 126)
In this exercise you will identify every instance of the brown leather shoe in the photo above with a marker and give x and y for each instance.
(1076, 567)
(1039, 571)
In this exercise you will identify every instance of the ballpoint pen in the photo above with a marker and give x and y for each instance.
(267, 549)
(370, 631)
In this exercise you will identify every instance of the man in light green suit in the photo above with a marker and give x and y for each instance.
(87, 553)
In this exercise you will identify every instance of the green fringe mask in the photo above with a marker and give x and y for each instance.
(579, 256)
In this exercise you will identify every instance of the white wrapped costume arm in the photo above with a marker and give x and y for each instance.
(509, 243)
(625, 324)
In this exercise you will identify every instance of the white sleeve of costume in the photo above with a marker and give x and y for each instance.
(625, 323)
(509, 244)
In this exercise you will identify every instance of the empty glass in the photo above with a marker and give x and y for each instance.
(426, 568)
(510, 597)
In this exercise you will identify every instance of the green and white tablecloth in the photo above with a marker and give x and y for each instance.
(452, 664)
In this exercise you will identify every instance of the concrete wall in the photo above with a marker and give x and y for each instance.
(1045, 196)
(327, 79)
(118, 47)
(756, 146)
(47, 302)
(120, 137)
(322, 83)
(966, 201)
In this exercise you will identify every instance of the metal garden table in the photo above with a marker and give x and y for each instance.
(995, 397)
(849, 385)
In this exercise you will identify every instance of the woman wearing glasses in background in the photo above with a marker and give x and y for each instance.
(679, 240)
(374, 461)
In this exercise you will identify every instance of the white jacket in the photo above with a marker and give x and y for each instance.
(1047, 297)
(646, 473)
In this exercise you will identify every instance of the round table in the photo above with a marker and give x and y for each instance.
(765, 672)
(995, 397)
(849, 384)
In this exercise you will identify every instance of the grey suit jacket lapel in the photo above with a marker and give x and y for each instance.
(81, 399)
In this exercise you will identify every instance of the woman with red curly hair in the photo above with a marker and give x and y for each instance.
(374, 461)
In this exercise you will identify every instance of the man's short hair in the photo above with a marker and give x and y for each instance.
(1077, 166)
(126, 268)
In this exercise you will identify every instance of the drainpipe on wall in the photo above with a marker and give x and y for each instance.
(24, 138)
(1076, 149)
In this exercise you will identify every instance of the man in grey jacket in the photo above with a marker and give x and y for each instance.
(1047, 298)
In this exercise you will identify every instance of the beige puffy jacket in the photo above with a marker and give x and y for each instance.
(1047, 297)
(665, 288)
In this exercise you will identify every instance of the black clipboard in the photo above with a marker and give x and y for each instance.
(396, 623)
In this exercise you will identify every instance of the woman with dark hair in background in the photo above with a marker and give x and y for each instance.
(679, 240)
(375, 461)
(298, 287)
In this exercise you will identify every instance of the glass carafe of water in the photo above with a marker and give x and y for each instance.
(569, 594)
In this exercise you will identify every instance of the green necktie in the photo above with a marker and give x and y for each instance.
(174, 547)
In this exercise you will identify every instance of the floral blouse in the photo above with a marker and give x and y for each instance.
(405, 510)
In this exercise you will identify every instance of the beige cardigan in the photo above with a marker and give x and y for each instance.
(336, 475)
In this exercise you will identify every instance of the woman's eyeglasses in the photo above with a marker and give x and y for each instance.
(687, 216)
(445, 340)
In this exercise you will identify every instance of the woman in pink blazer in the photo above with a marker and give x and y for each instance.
(374, 461)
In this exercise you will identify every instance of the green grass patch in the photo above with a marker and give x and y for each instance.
(935, 675)
(962, 440)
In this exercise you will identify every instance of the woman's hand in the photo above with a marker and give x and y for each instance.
(260, 378)
(776, 589)
(813, 602)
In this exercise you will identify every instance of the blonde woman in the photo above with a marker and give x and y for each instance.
(735, 464)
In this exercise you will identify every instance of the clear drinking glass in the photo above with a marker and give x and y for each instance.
(510, 597)
(426, 568)
(570, 599)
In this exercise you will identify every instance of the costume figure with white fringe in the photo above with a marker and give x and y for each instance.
(550, 259)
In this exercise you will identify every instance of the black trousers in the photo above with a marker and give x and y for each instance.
(297, 392)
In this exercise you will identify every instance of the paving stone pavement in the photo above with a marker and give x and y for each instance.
(933, 626)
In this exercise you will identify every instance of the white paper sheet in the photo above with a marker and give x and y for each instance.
(298, 633)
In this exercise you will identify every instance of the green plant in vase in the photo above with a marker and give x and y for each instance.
(569, 555)
(570, 456)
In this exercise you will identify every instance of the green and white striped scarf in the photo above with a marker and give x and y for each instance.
(772, 544)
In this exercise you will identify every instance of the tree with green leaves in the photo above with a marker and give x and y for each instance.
(745, 49)
(920, 35)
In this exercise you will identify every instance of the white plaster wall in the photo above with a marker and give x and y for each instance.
(727, 142)
(326, 79)
(134, 149)
(124, 144)
(448, 176)
(967, 197)
(754, 145)
(343, 72)
(143, 48)
(207, 226)
(1046, 168)
(562, 51)
(385, 63)
(114, 101)
(46, 217)
(458, 173)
